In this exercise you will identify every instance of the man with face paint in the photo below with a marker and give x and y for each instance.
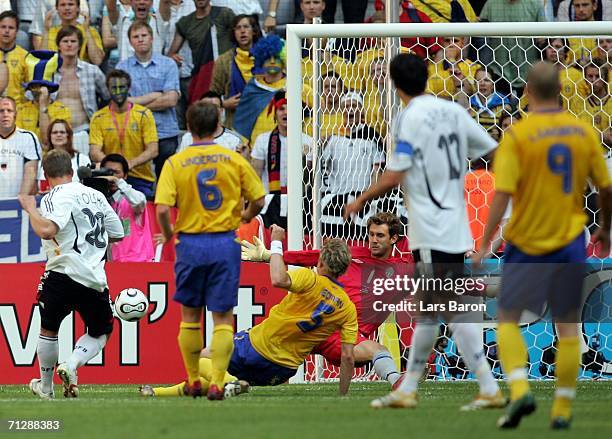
(254, 115)
(128, 129)
(230, 139)
(157, 89)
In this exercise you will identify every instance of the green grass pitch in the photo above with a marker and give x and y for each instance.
(298, 411)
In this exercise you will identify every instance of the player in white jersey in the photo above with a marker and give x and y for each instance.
(76, 224)
(19, 154)
(434, 139)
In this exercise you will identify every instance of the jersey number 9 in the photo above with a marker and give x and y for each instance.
(210, 195)
(560, 162)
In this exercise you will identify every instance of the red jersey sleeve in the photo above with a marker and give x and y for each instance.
(302, 258)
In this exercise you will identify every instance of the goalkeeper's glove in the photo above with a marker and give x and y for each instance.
(256, 252)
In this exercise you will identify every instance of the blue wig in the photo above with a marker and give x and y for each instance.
(271, 46)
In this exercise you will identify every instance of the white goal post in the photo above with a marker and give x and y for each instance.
(303, 204)
(297, 32)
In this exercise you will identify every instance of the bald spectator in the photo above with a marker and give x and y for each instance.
(19, 154)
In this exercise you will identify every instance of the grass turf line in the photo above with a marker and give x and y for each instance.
(298, 411)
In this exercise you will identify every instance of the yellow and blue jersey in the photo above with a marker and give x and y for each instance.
(316, 308)
(544, 162)
(207, 183)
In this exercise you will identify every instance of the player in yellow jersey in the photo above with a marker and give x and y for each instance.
(207, 182)
(271, 352)
(543, 164)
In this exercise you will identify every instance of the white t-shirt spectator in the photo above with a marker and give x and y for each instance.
(228, 139)
(17, 149)
(176, 13)
(348, 161)
(77, 161)
(125, 20)
(260, 152)
(249, 7)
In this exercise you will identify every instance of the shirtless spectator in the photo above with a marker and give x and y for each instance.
(81, 84)
(69, 11)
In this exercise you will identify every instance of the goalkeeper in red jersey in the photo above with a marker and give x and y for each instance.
(377, 261)
(383, 233)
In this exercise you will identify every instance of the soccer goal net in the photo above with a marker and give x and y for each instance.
(341, 107)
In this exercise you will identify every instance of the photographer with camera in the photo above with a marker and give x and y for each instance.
(130, 206)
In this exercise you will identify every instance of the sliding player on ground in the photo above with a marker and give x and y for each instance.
(434, 138)
(208, 183)
(543, 164)
(383, 233)
(271, 352)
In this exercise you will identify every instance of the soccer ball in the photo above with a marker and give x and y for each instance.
(131, 304)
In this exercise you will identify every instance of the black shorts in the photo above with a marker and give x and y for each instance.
(446, 292)
(59, 295)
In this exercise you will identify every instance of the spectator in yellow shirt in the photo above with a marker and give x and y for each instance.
(595, 106)
(13, 56)
(127, 129)
(582, 50)
(92, 50)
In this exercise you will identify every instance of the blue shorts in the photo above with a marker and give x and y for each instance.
(530, 282)
(207, 271)
(247, 364)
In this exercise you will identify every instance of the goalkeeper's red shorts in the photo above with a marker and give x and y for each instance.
(331, 348)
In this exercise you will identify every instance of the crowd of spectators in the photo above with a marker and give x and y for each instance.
(104, 78)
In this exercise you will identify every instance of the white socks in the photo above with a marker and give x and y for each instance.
(422, 343)
(468, 337)
(47, 351)
(85, 349)
(384, 366)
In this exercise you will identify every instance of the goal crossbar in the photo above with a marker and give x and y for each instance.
(297, 32)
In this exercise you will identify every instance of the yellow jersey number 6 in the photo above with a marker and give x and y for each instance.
(210, 195)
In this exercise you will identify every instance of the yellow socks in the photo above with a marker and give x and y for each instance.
(206, 371)
(513, 357)
(177, 389)
(568, 364)
(221, 350)
(191, 344)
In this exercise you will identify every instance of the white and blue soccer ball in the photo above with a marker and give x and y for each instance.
(131, 305)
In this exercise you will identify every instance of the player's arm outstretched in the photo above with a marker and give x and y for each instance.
(278, 271)
(257, 252)
(347, 367)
